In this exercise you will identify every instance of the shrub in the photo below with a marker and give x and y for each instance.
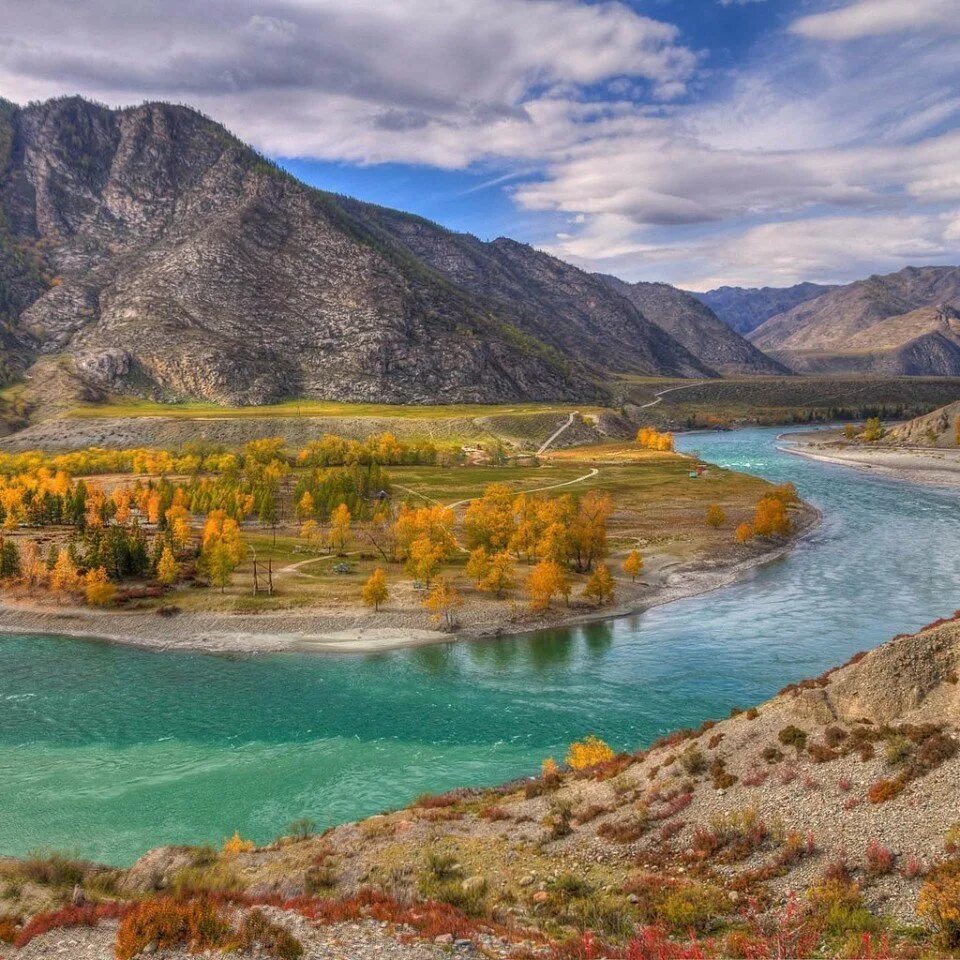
(8, 929)
(693, 906)
(670, 829)
(588, 752)
(952, 840)
(88, 915)
(752, 713)
(693, 761)
(53, 870)
(838, 906)
(844, 784)
(169, 923)
(236, 845)
(623, 831)
(258, 931)
(939, 902)
(793, 736)
(883, 790)
(772, 755)
(898, 750)
(821, 753)
(834, 736)
(879, 859)
(218, 878)
(302, 829)
(912, 868)
(722, 778)
(558, 819)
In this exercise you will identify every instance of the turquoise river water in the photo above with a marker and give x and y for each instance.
(106, 751)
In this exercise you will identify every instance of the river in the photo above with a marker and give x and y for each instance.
(106, 751)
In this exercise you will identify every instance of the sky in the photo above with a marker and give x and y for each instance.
(700, 142)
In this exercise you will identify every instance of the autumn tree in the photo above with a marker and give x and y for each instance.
(305, 506)
(375, 590)
(743, 533)
(424, 559)
(633, 565)
(167, 568)
(715, 516)
(588, 531)
(339, 535)
(63, 576)
(97, 588)
(478, 565)
(771, 518)
(500, 575)
(443, 601)
(873, 430)
(600, 585)
(220, 564)
(547, 580)
(489, 520)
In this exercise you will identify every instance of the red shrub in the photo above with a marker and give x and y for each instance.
(86, 916)
(879, 859)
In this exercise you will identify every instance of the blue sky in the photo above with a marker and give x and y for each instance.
(695, 141)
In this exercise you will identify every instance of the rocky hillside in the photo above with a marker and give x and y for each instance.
(824, 822)
(147, 251)
(745, 308)
(693, 324)
(936, 429)
(904, 323)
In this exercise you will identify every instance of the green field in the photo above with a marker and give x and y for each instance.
(195, 410)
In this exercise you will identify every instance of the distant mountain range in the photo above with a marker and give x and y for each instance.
(147, 251)
(906, 323)
(745, 308)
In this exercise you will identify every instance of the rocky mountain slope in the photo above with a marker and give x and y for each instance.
(745, 308)
(822, 823)
(148, 251)
(693, 324)
(936, 429)
(903, 323)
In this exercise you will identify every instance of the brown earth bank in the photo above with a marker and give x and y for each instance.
(821, 823)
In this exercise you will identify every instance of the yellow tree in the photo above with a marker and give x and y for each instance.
(375, 590)
(424, 559)
(310, 531)
(221, 564)
(633, 565)
(547, 580)
(588, 531)
(743, 533)
(489, 520)
(97, 588)
(478, 565)
(64, 576)
(167, 568)
(305, 506)
(339, 536)
(715, 516)
(600, 585)
(443, 601)
(500, 574)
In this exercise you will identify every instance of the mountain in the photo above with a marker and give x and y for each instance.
(692, 323)
(745, 308)
(147, 251)
(904, 323)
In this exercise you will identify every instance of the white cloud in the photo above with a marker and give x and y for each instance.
(849, 120)
(366, 80)
(869, 18)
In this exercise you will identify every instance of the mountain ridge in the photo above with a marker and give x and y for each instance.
(148, 251)
(745, 308)
(898, 323)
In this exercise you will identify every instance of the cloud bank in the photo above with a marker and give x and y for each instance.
(830, 151)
